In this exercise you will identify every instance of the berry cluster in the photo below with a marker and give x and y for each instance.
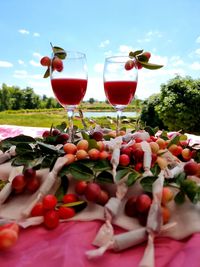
(138, 206)
(55, 63)
(92, 192)
(55, 136)
(52, 211)
(141, 60)
(27, 181)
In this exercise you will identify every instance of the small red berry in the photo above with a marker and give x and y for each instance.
(69, 198)
(37, 210)
(29, 173)
(49, 202)
(33, 184)
(124, 160)
(51, 219)
(45, 61)
(80, 187)
(46, 134)
(66, 212)
(19, 183)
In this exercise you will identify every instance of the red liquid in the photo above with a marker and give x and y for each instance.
(69, 91)
(120, 92)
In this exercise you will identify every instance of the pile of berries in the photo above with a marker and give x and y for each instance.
(55, 137)
(52, 211)
(92, 192)
(26, 181)
(138, 206)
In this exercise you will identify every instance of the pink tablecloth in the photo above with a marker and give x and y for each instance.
(67, 244)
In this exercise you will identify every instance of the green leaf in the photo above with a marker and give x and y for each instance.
(63, 188)
(150, 66)
(49, 149)
(121, 173)
(180, 178)
(92, 143)
(149, 130)
(47, 73)
(132, 177)
(22, 148)
(77, 206)
(179, 197)
(85, 136)
(142, 58)
(81, 172)
(104, 177)
(61, 126)
(155, 169)
(190, 188)
(59, 52)
(102, 165)
(135, 53)
(147, 183)
(174, 140)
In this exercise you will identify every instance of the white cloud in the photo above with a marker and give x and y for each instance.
(150, 36)
(176, 61)
(21, 62)
(198, 39)
(104, 43)
(125, 49)
(195, 66)
(197, 51)
(23, 74)
(23, 31)
(37, 55)
(36, 34)
(34, 63)
(5, 64)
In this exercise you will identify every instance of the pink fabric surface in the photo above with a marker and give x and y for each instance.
(67, 244)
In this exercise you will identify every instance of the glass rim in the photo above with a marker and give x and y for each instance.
(74, 54)
(116, 59)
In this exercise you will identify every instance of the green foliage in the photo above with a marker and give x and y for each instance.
(149, 116)
(14, 98)
(178, 105)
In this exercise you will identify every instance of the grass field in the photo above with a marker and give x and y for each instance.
(45, 118)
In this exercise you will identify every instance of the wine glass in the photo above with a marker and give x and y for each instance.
(120, 76)
(69, 83)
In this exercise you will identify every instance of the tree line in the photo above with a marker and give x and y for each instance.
(14, 98)
(176, 107)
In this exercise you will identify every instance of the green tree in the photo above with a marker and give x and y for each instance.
(178, 106)
(149, 116)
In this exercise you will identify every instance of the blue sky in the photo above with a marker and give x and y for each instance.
(169, 29)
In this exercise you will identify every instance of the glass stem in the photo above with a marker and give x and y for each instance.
(70, 114)
(119, 114)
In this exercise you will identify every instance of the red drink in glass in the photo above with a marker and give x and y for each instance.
(120, 92)
(69, 91)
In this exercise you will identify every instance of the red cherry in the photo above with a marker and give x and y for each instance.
(49, 202)
(33, 184)
(92, 192)
(98, 136)
(45, 61)
(57, 64)
(46, 134)
(69, 198)
(129, 65)
(37, 210)
(66, 212)
(51, 219)
(80, 187)
(143, 203)
(19, 183)
(124, 160)
(29, 173)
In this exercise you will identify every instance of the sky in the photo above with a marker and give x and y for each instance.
(168, 29)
